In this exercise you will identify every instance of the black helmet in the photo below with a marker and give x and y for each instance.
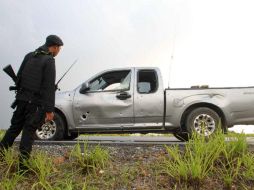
(52, 40)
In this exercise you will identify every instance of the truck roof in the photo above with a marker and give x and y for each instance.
(127, 68)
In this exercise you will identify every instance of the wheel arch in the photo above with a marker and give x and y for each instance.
(58, 111)
(208, 105)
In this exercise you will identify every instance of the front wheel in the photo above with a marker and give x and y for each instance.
(203, 121)
(52, 130)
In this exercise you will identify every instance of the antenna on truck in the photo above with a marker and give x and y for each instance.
(173, 49)
(56, 85)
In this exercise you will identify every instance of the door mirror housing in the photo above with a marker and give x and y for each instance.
(84, 88)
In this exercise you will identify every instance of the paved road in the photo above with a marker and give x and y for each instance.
(116, 140)
(125, 140)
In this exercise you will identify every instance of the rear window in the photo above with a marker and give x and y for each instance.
(147, 81)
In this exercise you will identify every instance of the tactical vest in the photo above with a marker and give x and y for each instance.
(32, 73)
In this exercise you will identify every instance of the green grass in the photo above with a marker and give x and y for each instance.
(41, 166)
(2, 132)
(11, 182)
(204, 158)
(89, 160)
(202, 164)
(44, 174)
(193, 164)
(248, 169)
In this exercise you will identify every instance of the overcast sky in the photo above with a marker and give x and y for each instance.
(211, 41)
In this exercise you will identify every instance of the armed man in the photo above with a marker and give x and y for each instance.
(35, 98)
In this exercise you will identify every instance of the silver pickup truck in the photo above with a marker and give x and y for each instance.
(133, 100)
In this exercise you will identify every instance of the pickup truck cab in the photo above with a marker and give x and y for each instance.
(133, 100)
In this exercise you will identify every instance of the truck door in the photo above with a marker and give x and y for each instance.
(108, 103)
(148, 99)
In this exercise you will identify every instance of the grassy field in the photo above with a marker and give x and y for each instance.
(202, 164)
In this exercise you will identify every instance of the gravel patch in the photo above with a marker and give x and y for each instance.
(118, 152)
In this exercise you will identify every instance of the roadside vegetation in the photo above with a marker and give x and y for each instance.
(200, 164)
(2, 132)
(228, 163)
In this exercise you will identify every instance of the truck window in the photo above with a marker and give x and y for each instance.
(147, 81)
(116, 80)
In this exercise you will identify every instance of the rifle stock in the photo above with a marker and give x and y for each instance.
(9, 71)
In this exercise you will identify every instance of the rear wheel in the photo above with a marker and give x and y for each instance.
(203, 121)
(52, 130)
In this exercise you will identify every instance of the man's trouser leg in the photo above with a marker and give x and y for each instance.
(34, 118)
(17, 122)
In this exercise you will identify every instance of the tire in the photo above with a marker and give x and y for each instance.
(181, 136)
(203, 121)
(53, 130)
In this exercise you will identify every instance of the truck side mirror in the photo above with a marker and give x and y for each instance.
(84, 88)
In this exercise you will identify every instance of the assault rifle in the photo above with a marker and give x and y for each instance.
(10, 72)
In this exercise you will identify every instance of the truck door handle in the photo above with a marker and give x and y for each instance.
(123, 95)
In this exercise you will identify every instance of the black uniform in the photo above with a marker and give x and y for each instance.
(35, 97)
